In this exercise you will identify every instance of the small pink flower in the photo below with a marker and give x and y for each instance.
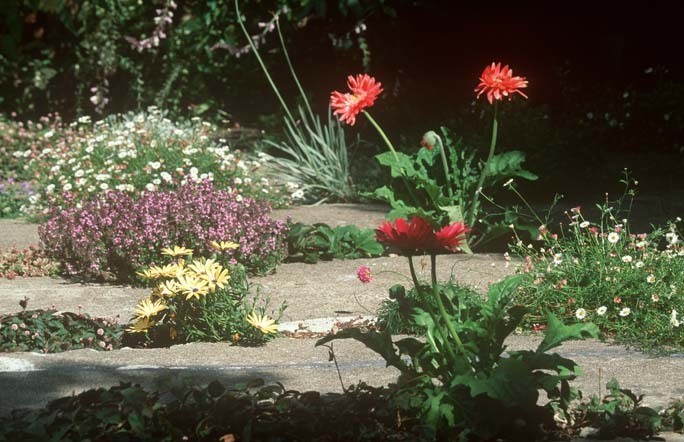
(14, 327)
(576, 209)
(364, 274)
(100, 332)
(101, 344)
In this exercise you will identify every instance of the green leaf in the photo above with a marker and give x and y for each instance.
(508, 164)
(511, 382)
(557, 333)
(381, 343)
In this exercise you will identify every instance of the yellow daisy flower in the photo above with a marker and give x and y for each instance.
(262, 322)
(146, 308)
(192, 286)
(167, 289)
(151, 273)
(203, 265)
(140, 326)
(216, 276)
(222, 246)
(176, 251)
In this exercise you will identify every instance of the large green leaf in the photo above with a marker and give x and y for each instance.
(508, 164)
(511, 382)
(557, 333)
(380, 343)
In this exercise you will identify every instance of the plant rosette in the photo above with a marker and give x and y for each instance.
(431, 183)
(459, 377)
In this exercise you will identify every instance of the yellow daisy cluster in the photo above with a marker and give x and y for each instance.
(194, 280)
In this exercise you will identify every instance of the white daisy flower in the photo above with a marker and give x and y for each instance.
(625, 312)
(584, 224)
(673, 319)
(581, 313)
(651, 279)
(557, 258)
(613, 237)
(627, 259)
(639, 264)
(601, 310)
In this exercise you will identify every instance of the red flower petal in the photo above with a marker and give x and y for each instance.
(364, 91)
(498, 83)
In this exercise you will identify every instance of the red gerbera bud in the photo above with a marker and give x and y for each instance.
(364, 91)
(499, 83)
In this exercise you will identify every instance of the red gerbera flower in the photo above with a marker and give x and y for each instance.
(451, 236)
(418, 235)
(499, 83)
(409, 237)
(364, 91)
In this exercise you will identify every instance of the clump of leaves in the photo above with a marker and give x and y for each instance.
(394, 314)
(49, 331)
(443, 182)
(469, 387)
(30, 261)
(310, 243)
(249, 412)
(621, 413)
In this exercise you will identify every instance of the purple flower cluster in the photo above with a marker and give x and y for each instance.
(115, 233)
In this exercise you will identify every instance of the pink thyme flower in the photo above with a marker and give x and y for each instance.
(364, 274)
(100, 332)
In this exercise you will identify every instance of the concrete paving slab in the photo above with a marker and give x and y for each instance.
(30, 379)
(17, 232)
(326, 289)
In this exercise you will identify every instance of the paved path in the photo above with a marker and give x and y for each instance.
(324, 290)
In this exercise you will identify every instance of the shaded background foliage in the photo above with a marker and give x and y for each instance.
(604, 81)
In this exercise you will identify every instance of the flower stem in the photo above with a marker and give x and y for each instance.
(483, 174)
(394, 152)
(443, 312)
(445, 165)
(382, 134)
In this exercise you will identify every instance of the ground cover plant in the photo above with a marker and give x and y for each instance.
(199, 299)
(443, 181)
(114, 235)
(133, 153)
(253, 412)
(595, 267)
(48, 331)
(310, 243)
(30, 261)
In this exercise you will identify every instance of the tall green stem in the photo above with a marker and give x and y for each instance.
(261, 63)
(382, 134)
(292, 70)
(394, 152)
(443, 312)
(483, 174)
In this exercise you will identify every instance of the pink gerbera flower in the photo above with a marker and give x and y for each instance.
(364, 91)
